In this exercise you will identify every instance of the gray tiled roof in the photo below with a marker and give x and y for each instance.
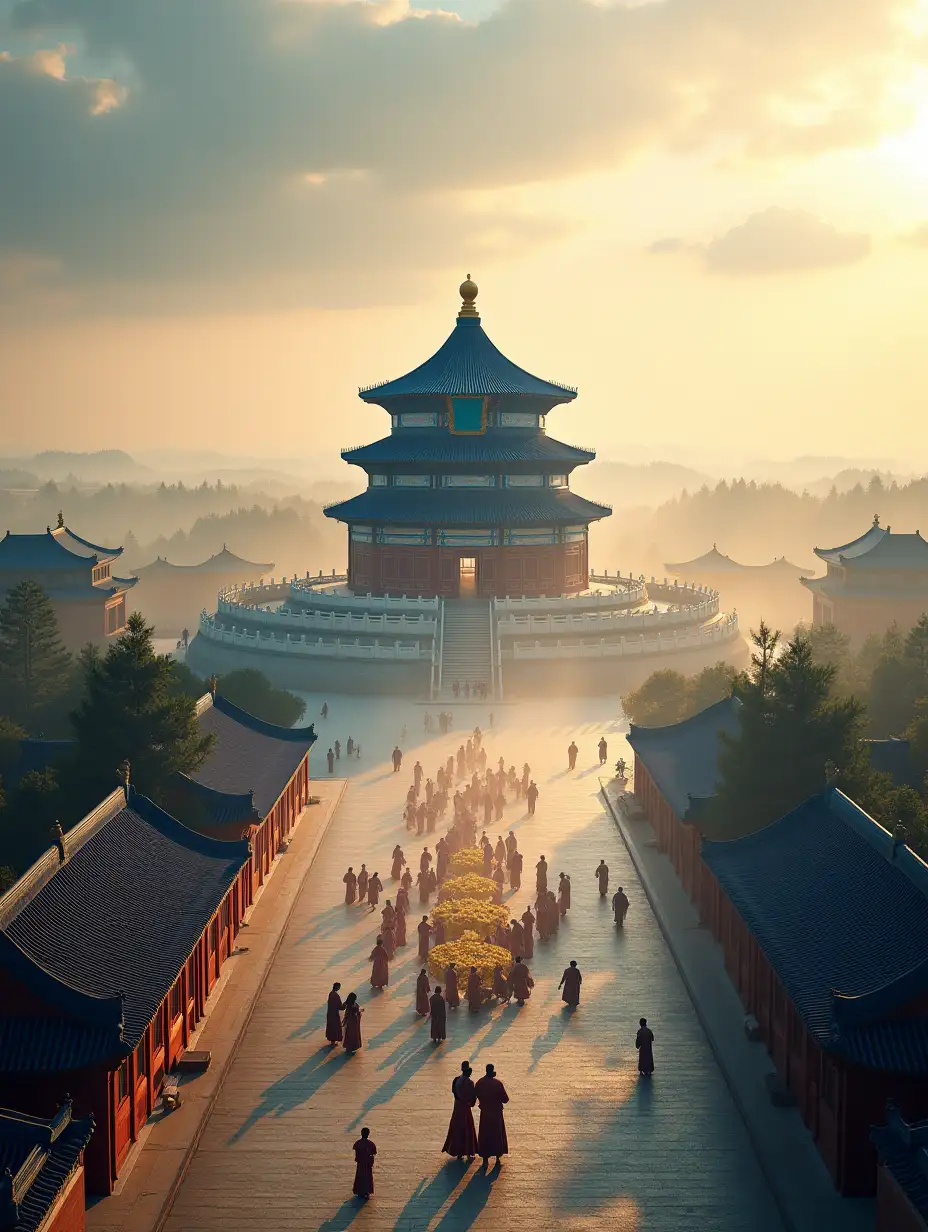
(468, 507)
(40, 1156)
(498, 446)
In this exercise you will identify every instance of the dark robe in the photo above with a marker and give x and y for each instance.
(643, 1042)
(602, 874)
(571, 981)
(541, 877)
(363, 878)
(389, 940)
(438, 1015)
(516, 939)
(351, 885)
(474, 991)
(528, 936)
(491, 1136)
(380, 970)
(619, 906)
(424, 929)
(397, 870)
(373, 891)
(521, 982)
(364, 1152)
(500, 984)
(515, 870)
(399, 928)
(452, 995)
(563, 896)
(333, 1021)
(352, 1040)
(422, 995)
(402, 900)
(461, 1138)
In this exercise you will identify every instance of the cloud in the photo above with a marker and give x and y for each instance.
(778, 240)
(669, 244)
(237, 150)
(918, 235)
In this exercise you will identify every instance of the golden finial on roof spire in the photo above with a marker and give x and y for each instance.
(468, 291)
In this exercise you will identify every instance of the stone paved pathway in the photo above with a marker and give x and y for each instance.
(591, 1144)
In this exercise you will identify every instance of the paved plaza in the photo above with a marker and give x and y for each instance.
(592, 1144)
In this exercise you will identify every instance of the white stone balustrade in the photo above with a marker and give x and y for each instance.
(593, 622)
(303, 592)
(724, 630)
(349, 622)
(319, 648)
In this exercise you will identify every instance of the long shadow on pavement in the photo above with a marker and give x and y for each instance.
(467, 1206)
(343, 1217)
(430, 1196)
(558, 1023)
(295, 1088)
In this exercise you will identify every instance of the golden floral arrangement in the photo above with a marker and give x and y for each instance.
(467, 860)
(461, 915)
(469, 885)
(466, 952)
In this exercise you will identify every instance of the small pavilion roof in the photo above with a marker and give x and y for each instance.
(879, 548)
(37, 1158)
(215, 808)
(682, 758)
(55, 549)
(249, 757)
(103, 936)
(903, 1150)
(221, 562)
(468, 507)
(467, 362)
(715, 561)
(840, 909)
(493, 448)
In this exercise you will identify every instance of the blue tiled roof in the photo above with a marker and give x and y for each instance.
(215, 808)
(50, 1045)
(468, 363)
(495, 447)
(121, 916)
(841, 913)
(682, 758)
(55, 549)
(249, 755)
(904, 1151)
(222, 562)
(40, 1157)
(879, 548)
(468, 507)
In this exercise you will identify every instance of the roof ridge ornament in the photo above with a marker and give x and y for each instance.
(468, 290)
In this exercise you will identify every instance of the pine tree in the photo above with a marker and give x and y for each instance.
(132, 711)
(34, 665)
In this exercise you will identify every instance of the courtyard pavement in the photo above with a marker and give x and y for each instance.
(591, 1143)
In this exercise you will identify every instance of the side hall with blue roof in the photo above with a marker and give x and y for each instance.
(823, 919)
(41, 1169)
(109, 947)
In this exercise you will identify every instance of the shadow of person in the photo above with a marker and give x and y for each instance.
(315, 1022)
(465, 1210)
(644, 1094)
(328, 922)
(343, 1217)
(430, 1196)
(543, 1044)
(295, 1088)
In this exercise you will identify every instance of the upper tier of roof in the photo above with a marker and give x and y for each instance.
(55, 549)
(37, 1157)
(468, 363)
(468, 507)
(249, 757)
(879, 548)
(682, 758)
(496, 447)
(715, 561)
(222, 562)
(840, 910)
(103, 935)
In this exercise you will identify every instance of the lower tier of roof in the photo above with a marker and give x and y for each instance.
(468, 507)
(501, 446)
(834, 588)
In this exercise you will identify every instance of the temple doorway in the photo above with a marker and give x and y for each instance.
(467, 577)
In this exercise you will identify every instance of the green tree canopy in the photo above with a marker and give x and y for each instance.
(668, 697)
(252, 691)
(132, 712)
(34, 665)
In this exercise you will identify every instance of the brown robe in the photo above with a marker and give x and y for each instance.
(474, 991)
(351, 885)
(422, 994)
(399, 929)
(570, 982)
(528, 938)
(452, 995)
(491, 1136)
(424, 929)
(364, 1152)
(461, 1138)
(333, 1021)
(438, 1016)
(352, 1041)
(380, 970)
(521, 981)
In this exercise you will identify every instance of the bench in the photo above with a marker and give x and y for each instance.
(170, 1092)
(193, 1062)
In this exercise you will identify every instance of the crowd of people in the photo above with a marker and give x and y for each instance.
(472, 788)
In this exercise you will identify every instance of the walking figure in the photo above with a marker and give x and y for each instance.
(397, 756)
(333, 1020)
(570, 982)
(619, 906)
(572, 752)
(364, 1152)
(461, 1138)
(644, 1041)
(325, 710)
(491, 1136)
(603, 748)
(602, 876)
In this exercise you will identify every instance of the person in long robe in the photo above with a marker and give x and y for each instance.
(491, 1136)
(374, 886)
(500, 850)
(397, 759)
(363, 878)
(572, 752)
(602, 876)
(437, 1016)
(424, 929)
(603, 750)
(499, 937)
(511, 845)
(644, 1042)
(402, 900)
(364, 1152)
(570, 982)
(461, 1138)
(498, 805)
(333, 1016)
(422, 881)
(438, 932)
(515, 870)
(541, 876)
(619, 906)
(330, 761)
(352, 1023)
(421, 818)
(487, 808)
(541, 909)
(554, 918)
(351, 886)
(500, 878)
(501, 985)
(399, 861)
(399, 927)
(422, 994)
(431, 881)
(528, 935)
(516, 938)
(487, 859)
(388, 915)
(474, 991)
(380, 968)
(406, 880)
(521, 981)
(417, 773)
(531, 798)
(563, 894)
(441, 859)
(452, 993)
(388, 936)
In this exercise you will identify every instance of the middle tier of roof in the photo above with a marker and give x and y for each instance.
(468, 507)
(500, 446)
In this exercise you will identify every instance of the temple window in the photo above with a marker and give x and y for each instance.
(557, 481)
(526, 535)
(517, 419)
(468, 481)
(419, 419)
(466, 538)
(571, 534)
(412, 481)
(122, 1081)
(378, 481)
(524, 481)
(362, 534)
(417, 535)
(468, 416)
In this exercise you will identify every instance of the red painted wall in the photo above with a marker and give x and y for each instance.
(67, 1215)
(549, 570)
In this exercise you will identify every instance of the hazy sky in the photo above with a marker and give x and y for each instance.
(219, 217)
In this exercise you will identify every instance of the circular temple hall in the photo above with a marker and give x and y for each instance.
(468, 496)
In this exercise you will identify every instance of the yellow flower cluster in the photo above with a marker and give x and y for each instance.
(467, 860)
(462, 915)
(470, 885)
(468, 951)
